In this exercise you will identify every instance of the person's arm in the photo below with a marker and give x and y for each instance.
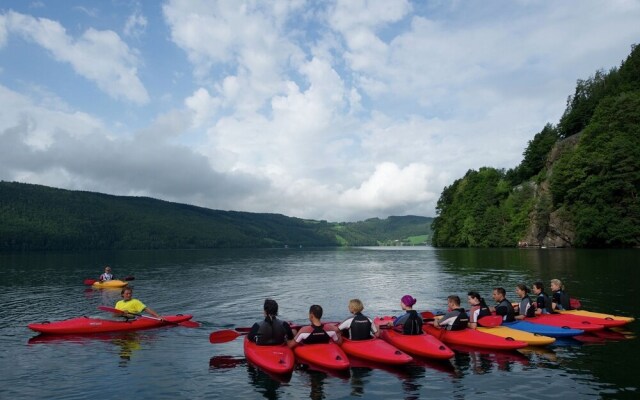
(153, 313)
(338, 337)
(375, 332)
(254, 330)
(297, 339)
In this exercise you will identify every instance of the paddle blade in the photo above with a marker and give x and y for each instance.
(575, 303)
(427, 315)
(89, 282)
(190, 324)
(129, 278)
(223, 336)
(490, 321)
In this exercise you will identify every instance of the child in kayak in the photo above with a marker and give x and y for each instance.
(503, 306)
(479, 309)
(456, 319)
(358, 327)
(270, 331)
(410, 321)
(543, 302)
(560, 300)
(525, 307)
(132, 306)
(107, 275)
(317, 332)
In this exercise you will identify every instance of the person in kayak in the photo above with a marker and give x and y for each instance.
(479, 309)
(410, 321)
(358, 327)
(107, 275)
(317, 332)
(543, 302)
(525, 308)
(132, 307)
(270, 331)
(456, 319)
(503, 306)
(560, 300)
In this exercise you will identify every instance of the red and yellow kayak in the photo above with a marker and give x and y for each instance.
(325, 355)
(606, 320)
(417, 345)
(375, 350)
(278, 359)
(569, 321)
(98, 325)
(474, 338)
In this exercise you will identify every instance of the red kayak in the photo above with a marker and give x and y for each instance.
(562, 320)
(375, 350)
(98, 325)
(606, 322)
(418, 345)
(278, 359)
(474, 338)
(325, 355)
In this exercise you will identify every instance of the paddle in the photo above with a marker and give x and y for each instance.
(575, 303)
(186, 324)
(490, 321)
(224, 336)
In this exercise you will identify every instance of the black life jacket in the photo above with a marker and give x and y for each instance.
(527, 307)
(270, 332)
(318, 335)
(506, 310)
(360, 328)
(544, 303)
(413, 324)
(565, 300)
(461, 322)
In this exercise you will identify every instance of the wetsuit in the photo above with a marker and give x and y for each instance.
(478, 311)
(318, 335)
(562, 300)
(106, 277)
(544, 303)
(526, 307)
(454, 320)
(505, 309)
(411, 323)
(359, 327)
(270, 332)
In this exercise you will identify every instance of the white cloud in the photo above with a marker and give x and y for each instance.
(136, 25)
(99, 56)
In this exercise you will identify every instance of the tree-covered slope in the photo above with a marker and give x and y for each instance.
(577, 185)
(34, 217)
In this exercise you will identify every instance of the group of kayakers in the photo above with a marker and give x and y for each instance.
(131, 307)
(273, 331)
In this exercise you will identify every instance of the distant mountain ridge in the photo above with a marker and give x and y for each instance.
(35, 217)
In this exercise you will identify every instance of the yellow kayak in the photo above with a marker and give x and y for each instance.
(584, 313)
(531, 338)
(115, 283)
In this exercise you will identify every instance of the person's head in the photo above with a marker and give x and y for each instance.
(499, 294)
(522, 290)
(270, 307)
(556, 284)
(126, 293)
(316, 311)
(453, 301)
(474, 298)
(107, 269)
(407, 301)
(355, 306)
(538, 287)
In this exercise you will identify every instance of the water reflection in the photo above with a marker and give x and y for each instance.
(126, 342)
(479, 361)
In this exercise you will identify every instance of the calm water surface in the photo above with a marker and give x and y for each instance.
(226, 288)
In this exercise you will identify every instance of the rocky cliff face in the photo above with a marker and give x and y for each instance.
(550, 227)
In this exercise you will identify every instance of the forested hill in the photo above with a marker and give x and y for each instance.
(34, 217)
(577, 186)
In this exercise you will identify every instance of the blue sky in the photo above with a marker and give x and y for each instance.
(336, 110)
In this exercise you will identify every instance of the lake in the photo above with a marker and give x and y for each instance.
(224, 289)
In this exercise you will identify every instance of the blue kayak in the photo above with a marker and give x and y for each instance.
(546, 330)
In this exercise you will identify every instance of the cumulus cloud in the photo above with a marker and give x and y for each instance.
(100, 56)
